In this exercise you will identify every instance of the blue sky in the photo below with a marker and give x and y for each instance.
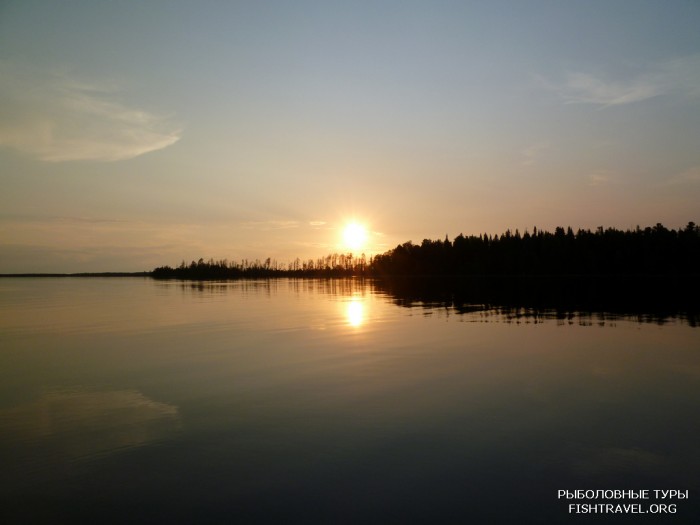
(135, 134)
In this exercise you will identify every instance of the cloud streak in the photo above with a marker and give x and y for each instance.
(271, 225)
(55, 118)
(601, 177)
(689, 176)
(680, 76)
(582, 88)
(533, 152)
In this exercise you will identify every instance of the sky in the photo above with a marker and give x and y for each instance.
(139, 134)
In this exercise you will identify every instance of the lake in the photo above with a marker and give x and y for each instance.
(131, 400)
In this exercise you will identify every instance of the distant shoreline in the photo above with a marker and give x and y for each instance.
(82, 274)
(604, 253)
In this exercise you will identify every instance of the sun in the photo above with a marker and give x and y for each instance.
(354, 236)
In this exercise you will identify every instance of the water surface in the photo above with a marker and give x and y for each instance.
(129, 400)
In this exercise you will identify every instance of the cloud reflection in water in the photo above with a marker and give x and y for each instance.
(67, 426)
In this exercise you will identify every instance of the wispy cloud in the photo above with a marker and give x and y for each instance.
(271, 225)
(680, 76)
(56, 117)
(582, 88)
(601, 177)
(689, 176)
(533, 152)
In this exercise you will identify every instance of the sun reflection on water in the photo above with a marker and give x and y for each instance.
(355, 312)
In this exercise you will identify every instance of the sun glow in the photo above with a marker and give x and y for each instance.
(355, 236)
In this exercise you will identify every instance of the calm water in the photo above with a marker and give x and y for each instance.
(135, 401)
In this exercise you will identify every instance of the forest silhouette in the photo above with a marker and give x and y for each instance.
(650, 251)
(653, 273)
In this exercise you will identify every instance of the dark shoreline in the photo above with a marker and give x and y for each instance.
(84, 274)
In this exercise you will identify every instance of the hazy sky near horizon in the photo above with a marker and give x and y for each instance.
(136, 134)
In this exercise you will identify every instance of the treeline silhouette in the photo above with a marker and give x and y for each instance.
(650, 251)
(653, 271)
(333, 265)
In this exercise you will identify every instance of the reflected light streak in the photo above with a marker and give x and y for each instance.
(355, 313)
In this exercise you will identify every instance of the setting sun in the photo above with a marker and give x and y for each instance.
(354, 236)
